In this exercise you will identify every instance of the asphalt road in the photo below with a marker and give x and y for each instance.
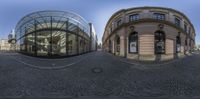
(97, 74)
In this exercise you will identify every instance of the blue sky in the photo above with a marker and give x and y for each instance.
(96, 11)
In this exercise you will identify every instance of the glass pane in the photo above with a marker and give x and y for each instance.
(30, 43)
(22, 45)
(58, 43)
(133, 42)
(72, 44)
(43, 43)
(81, 41)
(159, 43)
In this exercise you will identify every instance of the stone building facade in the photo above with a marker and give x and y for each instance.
(149, 33)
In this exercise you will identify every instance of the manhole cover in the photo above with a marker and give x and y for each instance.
(97, 70)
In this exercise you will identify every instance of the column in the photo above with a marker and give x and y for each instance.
(122, 45)
(67, 35)
(35, 39)
(113, 46)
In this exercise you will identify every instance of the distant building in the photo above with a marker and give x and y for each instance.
(8, 44)
(93, 38)
(198, 47)
(12, 40)
(4, 45)
(100, 46)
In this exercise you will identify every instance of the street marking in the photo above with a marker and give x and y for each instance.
(153, 65)
(49, 68)
(37, 58)
(146, 66)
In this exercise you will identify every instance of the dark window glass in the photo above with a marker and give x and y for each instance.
(185, 27)
(178, 44)
(119, 22)
(134, 17)
(22, 44)
(189, 31)
(177, 22)
(118, 43)
(110, 29)
(118, 40)
(186, 42)
(133, 42)
(110, 46)
(159, 16)
(159, 42)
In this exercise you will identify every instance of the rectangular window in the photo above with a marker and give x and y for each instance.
(186, 42)
(119, 22)
(110, 29)
(159, 16)
(185, 27)
(177, 22)
(134, 17)
(189, 30)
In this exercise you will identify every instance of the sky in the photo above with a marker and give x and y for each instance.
(97, 12)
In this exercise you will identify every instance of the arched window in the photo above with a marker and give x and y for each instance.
(117, 43)
(133, 42)
(186, 43)
(178, 44)
(118, 40)
(159, 42)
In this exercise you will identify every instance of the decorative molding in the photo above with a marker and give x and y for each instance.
(161, 26)
(132, 28)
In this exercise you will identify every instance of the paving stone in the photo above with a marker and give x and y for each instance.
(98, 74)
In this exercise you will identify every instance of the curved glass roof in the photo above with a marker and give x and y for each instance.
(43, 18)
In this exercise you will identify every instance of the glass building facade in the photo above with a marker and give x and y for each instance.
(53, 33)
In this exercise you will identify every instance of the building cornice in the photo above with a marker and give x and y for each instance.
(147, 7)
(145, 21)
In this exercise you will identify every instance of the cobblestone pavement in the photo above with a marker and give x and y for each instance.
(97, 74)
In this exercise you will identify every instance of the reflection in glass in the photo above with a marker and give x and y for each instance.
(58, 43)
(43, 43)
(133, 42)
(159, 42)
(53, 33)
(178, 44)
(118, 43)
(30, 46)
(72, 44)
